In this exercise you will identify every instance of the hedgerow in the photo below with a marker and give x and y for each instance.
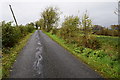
(12, 34)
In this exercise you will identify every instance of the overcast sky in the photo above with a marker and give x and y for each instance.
(101, 12)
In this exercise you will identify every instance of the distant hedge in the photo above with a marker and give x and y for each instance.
(12, 34)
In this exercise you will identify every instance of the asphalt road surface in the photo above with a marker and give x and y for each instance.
(44, 58)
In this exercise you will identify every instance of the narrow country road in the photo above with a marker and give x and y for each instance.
(44, 58)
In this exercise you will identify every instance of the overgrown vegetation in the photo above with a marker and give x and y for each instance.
(107, 64)
(11, 34)
(9, 59)
(69, 28)
(13, 40)
(94, 44)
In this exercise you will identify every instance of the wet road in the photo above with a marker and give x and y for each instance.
(44, 58)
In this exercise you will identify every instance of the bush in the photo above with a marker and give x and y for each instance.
(90, 42)
(23, 30)
(30, 29)
(53, 31)
(12, 34)
(69, 28)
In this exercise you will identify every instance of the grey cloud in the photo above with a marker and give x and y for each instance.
(100, 12)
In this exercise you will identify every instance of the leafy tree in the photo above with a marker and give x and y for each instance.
(10, 35)
(30, 27)
(87, 39)
(97, 27)
(41, 24)
(86, 24)
(70, 27)
(23, 30)
(115, 27)
(50, 17)
(37, 24)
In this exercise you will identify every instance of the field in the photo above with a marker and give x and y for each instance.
(109, 41)
(104, 60)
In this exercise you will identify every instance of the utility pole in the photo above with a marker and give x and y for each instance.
(13, 15)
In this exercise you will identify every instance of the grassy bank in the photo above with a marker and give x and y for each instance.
(10, 57)
(97, 59)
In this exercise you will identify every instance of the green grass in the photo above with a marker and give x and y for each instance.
(99, 60)
(9, 58)
(110, 45)
(111, 41)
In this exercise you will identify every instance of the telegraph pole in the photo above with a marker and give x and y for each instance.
(13, 15)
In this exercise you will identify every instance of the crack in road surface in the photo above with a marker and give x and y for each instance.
(44, 58)
(38, 62)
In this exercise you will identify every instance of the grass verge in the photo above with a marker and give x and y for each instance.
(96, 59)
(10, 58)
